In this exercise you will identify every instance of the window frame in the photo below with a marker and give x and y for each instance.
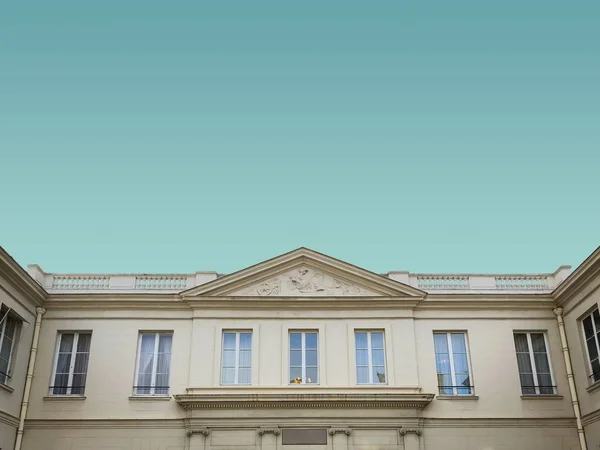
(152, 392)
(69, 387)
(370, 356)
(593, 377)
(455, 387)
(5, 316)
(303, 333)
(238, 334)
(536, 386)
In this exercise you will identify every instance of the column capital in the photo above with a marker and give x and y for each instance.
(202, 431)
(347, 431)
(417, 431)
(274, 430)
(558, 311)
(40, 310)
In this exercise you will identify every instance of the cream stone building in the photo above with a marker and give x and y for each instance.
(300, 352)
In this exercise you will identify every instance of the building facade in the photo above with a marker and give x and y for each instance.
(302, 351)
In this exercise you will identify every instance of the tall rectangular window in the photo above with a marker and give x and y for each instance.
(237, 357)
(154, 364)
(591, 330)
(452, 362)
(71, 363)
(370, 357)
(304, 357)
(9, 327)
(534, 366)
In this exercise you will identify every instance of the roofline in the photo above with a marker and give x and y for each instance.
(578, 279)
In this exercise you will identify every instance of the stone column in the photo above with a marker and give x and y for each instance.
(340, 437)
(197, 438)
(411, 437)
(269, 438)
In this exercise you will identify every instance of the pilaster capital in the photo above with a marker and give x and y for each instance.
(347, 431)
(417, 431)
(274, 430)
(203, 431)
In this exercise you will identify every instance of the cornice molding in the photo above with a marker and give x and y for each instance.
(20, 279)
(109, 424)
(490, 422)
(586, 272)
(306, 400)
(590, 418)
(9, 419)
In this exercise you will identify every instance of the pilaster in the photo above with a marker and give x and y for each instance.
(197, 438)
(412, 438)
(340, 437)
(268, 437)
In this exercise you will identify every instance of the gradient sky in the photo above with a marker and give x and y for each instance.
(180, 136)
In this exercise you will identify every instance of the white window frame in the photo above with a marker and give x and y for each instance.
(303, 351)
(237, 356)
(532, 360)
(4, 317)
(451, 357)
(71, 364)
(370, 356)
(590, 314)
(157, 335)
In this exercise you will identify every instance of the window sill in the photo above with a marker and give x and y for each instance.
(593, 387)
(542, 397)
(6, 388)
(149, 398)
(457, 397)
(64, 398)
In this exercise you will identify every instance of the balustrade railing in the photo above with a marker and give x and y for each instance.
(161, 282)
(522, 282)
(76, 282)
(444, 282)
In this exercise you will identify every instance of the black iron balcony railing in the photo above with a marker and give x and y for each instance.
(538, 390)
(461, 389)
(67, 390)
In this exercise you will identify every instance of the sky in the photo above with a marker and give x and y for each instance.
(181, 136)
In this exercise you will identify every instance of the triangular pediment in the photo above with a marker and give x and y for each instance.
(304, 273)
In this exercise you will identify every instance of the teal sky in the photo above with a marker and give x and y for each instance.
(181, 136)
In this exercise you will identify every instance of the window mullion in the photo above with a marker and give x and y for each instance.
(154, 364)
(451, 357)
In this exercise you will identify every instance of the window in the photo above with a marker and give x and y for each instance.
(237, 357)
(591, 330)
(9, 327)
(153, 366)
(71, 363)
(534, 366)
(452, 362)
(370, 357)
(304, 357)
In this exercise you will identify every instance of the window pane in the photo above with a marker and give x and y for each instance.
(164, 343)
(311, 357)
(147, 343)
(63, 363)
(538, 343)
(592, 348)
(162, 384)
(587, 327)
(362, 374)
(66, 343)
(378, 358)
(83, 343)
(311, 340)
(524, 363)
(527, 384)
(146, 362)
(361, 340)
(245, 358)
(311, 375)
(378, 374)
(296, 358)
(545, 383)
(244, 376)
(11, 326)
(3, 370)
(295, 374)
(228, 376)
(60, 384)
(442, 363)
(163, 363)
(296, 341)
(362, 357)
(245, 341)
(521, 344)
(377, 340)
(144, 382)
(458, 343)
(445, 383)
(5, 350)
(229, 341)
(228, 358)
(462, 379)
(81, 362)
(596, 369)
(541, 363)
(460, 363)
(441, 343)
(78, 387)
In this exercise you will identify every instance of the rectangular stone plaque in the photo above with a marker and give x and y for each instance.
(309, 436)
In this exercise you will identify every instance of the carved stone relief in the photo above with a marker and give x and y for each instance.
(305, 281)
